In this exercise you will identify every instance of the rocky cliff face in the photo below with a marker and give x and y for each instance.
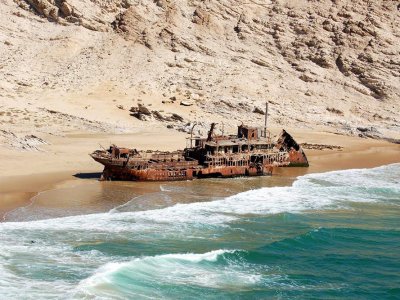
(328, 64)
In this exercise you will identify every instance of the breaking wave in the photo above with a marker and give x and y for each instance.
(212, 269)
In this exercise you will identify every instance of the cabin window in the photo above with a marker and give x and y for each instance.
(235, 149)
(210, 149)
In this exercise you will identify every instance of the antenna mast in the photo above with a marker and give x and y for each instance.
(191, 135)
(266, 117)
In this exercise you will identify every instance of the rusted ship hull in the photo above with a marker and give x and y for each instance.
(227, 172)
(248, 153)
(114, 172)
(118, 173)
(116, 168)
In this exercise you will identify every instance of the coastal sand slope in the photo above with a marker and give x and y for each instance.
(81, 65)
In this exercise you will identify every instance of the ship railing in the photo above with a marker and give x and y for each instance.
(246, 153)
(244, 159)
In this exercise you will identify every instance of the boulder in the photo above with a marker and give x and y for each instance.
(158, 116)
(258, 110)
(200, 17)
(140, 112)
(46, 8)
(176, 117)
(187, 103)
(144, 110)
(66, 9)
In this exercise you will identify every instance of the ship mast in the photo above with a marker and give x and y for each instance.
(266, 117)
(191, 135)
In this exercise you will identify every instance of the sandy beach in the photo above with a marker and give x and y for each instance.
(65, 162)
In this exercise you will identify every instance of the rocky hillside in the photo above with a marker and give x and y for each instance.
(331, 65)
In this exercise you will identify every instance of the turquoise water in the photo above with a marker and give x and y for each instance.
(332, 235)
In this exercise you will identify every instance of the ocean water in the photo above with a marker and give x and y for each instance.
(331, 235)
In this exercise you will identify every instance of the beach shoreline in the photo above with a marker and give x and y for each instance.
(53, 171)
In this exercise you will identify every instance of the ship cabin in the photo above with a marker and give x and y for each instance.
(247, 132)
(247, 139)
(251, 144)
(118, 152)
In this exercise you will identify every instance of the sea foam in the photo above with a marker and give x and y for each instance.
(314, 191)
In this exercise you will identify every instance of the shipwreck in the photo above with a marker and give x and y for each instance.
(249, 152)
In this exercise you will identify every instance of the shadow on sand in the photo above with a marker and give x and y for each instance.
(95, 175)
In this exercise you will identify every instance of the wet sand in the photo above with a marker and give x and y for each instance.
(47, 192)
